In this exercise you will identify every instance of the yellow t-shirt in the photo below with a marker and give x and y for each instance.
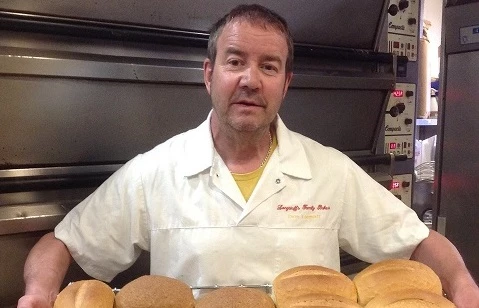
(247, 181)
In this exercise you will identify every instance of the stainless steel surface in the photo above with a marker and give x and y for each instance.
(122, 98)
(441, 225)
(457, 165)
(21, 62)
(455, 18)
(345, 23)
(27, 218)
(55, 171)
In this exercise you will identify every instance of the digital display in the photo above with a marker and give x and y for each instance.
(394, 185)
(392, 146)
(398, 93)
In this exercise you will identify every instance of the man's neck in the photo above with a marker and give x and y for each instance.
(242, 152)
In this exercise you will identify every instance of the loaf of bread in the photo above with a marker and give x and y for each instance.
(320, 300)
(395, 275)
(310, 280)
(85, 294)
(235, 297)
(410, 299)
(152, 291)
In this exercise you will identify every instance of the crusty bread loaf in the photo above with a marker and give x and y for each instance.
(309, 280)
(319, 301)
(152, 291)
(394, 275)
(410, 299)
(235, 297)
(85, 294)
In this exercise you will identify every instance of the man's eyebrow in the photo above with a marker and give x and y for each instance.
(271, 58)
(235, 51)
(238, 52)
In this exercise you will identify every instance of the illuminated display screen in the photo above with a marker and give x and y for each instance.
(392, 146)
(398, 93)
(394, 185)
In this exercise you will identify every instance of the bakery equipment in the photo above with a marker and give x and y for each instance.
(88, 85)
(456, 169)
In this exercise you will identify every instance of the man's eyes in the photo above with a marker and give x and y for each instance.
(234, 62)
(270, 68)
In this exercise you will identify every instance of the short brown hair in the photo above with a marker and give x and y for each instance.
(255, 14)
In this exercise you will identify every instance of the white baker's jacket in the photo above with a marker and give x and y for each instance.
(180, 202)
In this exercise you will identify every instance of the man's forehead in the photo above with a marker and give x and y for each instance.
(253, 23)
(236, 29)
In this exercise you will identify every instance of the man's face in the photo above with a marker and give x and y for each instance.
(248, 81)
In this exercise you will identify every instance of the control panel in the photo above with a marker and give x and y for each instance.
(399, 120)
(403, 45)
(399, 145)
(403, 19)
(401, 187)
(400, 112)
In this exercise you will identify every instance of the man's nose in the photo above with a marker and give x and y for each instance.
(251, 78)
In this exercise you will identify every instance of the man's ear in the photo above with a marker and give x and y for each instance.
(289, 77)
(207, 74)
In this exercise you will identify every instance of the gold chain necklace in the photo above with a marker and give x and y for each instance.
(269, 150)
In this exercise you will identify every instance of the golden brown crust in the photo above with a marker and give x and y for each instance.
(395, 275)
(85, 294)
(410, 299)
(152, 291)
(309, 280)
(320, 300)
(237, 297)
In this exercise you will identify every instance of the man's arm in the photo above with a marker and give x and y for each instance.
(45, 269)
(439, 253)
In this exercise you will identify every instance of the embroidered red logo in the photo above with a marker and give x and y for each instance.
(304, 207)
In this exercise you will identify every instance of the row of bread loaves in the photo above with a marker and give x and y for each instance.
(386, 284)
(395, 283)
(152, 291)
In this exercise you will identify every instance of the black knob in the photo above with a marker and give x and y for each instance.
(394, 111)
(401, 107)
(403, 4)
(393, 10)
(409, 93)
(411, 21)
(408, 121)
(405, 184)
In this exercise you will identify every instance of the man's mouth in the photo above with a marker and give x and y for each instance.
(248, 103)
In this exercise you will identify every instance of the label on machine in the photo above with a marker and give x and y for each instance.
(469, 35)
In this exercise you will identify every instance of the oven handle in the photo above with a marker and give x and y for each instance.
(32, 179)
(30, 217)
(381, 159)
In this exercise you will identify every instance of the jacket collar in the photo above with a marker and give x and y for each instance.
(200, 151)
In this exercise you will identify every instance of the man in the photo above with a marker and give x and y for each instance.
(240, 198)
